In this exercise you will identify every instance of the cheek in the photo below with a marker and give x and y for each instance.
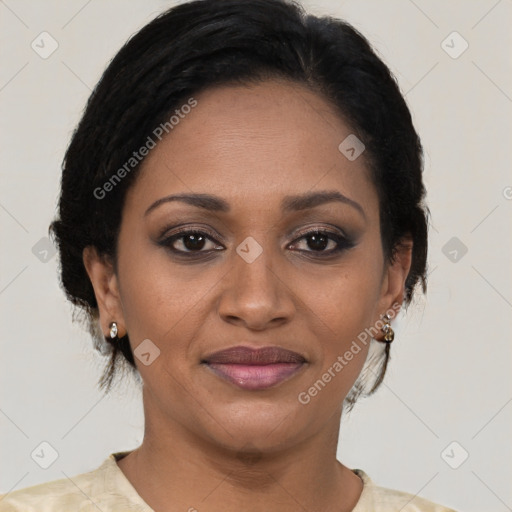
(154, 297)
(345, 310)
(344, 302)
(346, 295)
(162, 301)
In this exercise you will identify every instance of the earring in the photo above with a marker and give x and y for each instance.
(113, 331)
(389, 334)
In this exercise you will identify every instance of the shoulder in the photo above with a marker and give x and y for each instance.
(381, 499)
(100, 489)
(49, 496)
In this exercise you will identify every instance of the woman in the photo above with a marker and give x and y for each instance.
(242, 216)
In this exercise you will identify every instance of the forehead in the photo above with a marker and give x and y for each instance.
(255, 143)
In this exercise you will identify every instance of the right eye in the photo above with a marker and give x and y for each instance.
(190, 241)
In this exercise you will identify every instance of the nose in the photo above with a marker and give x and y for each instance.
(256, 294)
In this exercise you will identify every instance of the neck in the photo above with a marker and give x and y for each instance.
(175, 469)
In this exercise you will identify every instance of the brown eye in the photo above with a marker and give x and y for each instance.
(317, 241)
(193, 242)
(190, 242)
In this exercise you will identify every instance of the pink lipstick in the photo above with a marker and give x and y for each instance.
(255, 369)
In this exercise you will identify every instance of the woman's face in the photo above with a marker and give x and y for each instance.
(249, 275)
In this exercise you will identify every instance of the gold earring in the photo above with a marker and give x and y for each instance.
(389, 334)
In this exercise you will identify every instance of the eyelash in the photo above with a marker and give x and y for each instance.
(342, 242)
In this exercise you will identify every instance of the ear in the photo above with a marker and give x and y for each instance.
(393, 282)
(106, 289)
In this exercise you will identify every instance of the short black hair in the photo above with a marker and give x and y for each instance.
(205, 43)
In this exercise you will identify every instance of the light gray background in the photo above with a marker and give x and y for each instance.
(450, 375)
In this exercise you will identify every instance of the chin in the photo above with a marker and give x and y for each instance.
(268, 427)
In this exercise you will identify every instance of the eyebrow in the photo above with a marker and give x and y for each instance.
(289, 204)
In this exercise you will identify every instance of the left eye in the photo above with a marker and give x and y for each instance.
(318, 241)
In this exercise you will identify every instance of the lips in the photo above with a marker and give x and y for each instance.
(255, 369)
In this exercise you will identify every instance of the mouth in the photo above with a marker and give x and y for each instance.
(255, 369)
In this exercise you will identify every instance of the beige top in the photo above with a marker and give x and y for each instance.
(107, 489)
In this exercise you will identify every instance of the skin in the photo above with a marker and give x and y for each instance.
(208, 444)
